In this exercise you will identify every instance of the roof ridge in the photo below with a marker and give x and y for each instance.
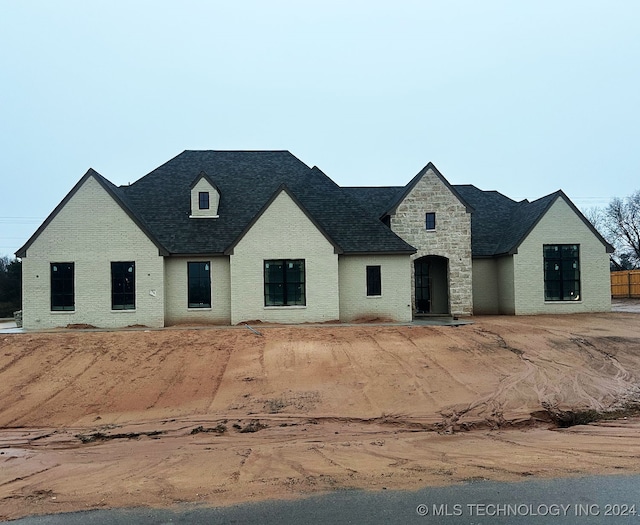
(237, 151)
(373, 187)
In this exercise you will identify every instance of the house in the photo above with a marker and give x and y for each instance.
(234, 236)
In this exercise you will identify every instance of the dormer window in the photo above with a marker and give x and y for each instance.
(203, 200)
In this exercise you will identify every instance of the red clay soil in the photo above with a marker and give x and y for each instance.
(93, 419)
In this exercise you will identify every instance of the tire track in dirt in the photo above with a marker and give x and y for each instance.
(492, 406)
(68, 383)
(358, 372)
(142, 364)
(217, 380)
(554, 381)
(23, 391)
(445, 371)
(258, 466)
(417, 379)
(27, 476)
(332, 462)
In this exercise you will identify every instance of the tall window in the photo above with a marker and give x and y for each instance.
(62, 287)
(562, 272)
(374, 280)
(430, 220)
(123, 285)
(203, 200)
(284, 282)
(199, 277)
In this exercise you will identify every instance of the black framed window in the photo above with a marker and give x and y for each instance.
(284, 282)
(123, 285)
(62, 287)
(203, 200)
(374, 280)
(562, 272)
(430, 221)
(199, 278)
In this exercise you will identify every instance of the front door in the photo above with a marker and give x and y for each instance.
(423, 287)
(432, 285)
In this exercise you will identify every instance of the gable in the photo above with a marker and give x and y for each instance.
(89, 221)
(562, 223)
(91, 193)
(428, 178)
(283, 229)
(278, 214)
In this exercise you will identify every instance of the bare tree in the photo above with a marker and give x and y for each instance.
(596, 216)
(622, 226)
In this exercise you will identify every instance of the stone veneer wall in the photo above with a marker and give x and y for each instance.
(450, 239)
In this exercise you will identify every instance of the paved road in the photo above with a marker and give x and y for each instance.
(601, 500)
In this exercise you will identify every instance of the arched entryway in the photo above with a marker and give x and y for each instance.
(431, 285)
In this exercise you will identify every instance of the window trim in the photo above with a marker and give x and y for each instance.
(374, 280)
(267, 292)
(564, 284)
(117, 307)
(61, 295)
(430, 215)
(193, 305)
(204, 203)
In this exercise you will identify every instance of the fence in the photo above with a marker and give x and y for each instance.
(625, 284)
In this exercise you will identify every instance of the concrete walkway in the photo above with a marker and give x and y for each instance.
(626, 305)
(8, 326)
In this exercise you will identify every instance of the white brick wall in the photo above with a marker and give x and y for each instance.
(92, 231)
(561, 225)
(177, 310)
(451, 239)
(284, 232)
(395, 301)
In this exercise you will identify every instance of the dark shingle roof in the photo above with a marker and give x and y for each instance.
(491, 219)
(495, 225)
(500, 224)
(159, 203)
(246, 181)
(375, 199)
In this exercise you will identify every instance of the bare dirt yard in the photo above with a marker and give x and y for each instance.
(92, 419)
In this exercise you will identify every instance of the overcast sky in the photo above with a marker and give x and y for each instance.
(524, 97)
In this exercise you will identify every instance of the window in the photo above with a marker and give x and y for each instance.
(561, 272)
(62, 287)
(374, 280)
(199, 277)
(123, 285)
(430, 221)
(203, 200)
(284, 282)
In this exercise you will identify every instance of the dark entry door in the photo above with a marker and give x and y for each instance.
(423, 287)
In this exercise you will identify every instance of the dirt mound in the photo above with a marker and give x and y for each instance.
(141, 417)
